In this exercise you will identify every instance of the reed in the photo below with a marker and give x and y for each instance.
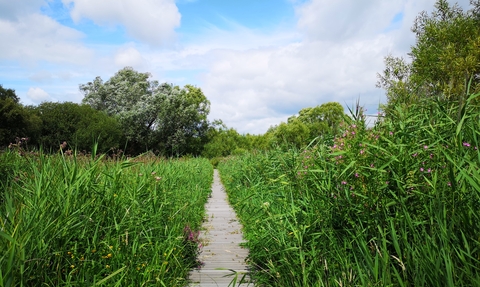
(392, 205)
(77, 221)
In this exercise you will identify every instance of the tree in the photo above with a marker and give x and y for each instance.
(294, 133)
(396, 81)
(222, 141)
(444, 59)
(182, 123)
(131, 98)
(8, 94)
(152, 115)
(322, 120)
(78, 125)
(15, 120)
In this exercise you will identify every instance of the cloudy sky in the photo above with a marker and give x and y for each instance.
(257, 61)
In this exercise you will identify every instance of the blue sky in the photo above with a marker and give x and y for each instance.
(258, 62)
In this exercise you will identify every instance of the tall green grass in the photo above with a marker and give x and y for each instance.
(393, 205)
(75, 221)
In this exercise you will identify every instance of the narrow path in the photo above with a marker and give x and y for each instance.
(223, 258)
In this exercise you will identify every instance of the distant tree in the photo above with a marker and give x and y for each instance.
(294, 133)
(8, 94)
(152, 116)
(322, 120)
(130, 97)
(182, 124)
(395, 79)
(223, 141)
(15, 119)
(78, 125)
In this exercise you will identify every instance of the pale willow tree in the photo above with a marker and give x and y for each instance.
(153, 116)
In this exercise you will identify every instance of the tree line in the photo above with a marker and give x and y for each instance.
(130, 111)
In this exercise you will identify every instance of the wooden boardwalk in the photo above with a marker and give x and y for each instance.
(223, 258)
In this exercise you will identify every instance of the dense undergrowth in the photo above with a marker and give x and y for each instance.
(393, 205)
(78, 221)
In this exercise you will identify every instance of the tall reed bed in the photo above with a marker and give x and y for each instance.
(393, 205)
(74, 221)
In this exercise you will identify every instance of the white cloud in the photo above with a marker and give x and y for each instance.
(246, 86)
(253, 78)
(36, 37)
(342, 50)
(42, 76)
(129, 56)
(10, 10)
(345, 19)
(150, 21)
(38, 95)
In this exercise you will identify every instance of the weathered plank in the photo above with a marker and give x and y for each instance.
(222, 256)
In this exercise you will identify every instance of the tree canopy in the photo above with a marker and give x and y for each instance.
(445, 60)
(164, 117)
(79, 125)
(15, 120)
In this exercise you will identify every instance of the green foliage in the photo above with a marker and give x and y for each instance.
(294, 133)
(447, 51)
(78, 125)
(8, 94)
(8, 169)
(152, 116)
(395, 205)
(319, 123)
(322, 120)
(75, 221)
(182, 122)
(445, 58)
(15, 120)
(222, 141)
(215, 161)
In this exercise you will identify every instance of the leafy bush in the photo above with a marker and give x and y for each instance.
(79, 125)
